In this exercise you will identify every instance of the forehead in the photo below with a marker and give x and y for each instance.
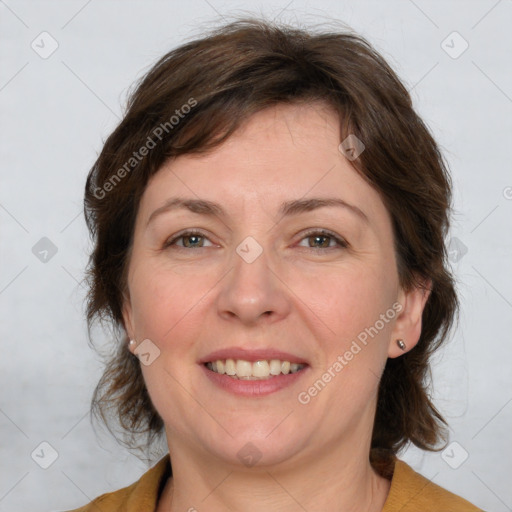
(282, 153)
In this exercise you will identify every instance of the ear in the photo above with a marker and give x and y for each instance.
(408, 323)
(128, 317)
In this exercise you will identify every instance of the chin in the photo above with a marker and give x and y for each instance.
(257, 443)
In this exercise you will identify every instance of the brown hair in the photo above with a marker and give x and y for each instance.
(191, 101)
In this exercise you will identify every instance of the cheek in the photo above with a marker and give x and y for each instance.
(169, 301)
(350, 304)
(166, 300)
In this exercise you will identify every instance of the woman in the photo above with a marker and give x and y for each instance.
(269, 222)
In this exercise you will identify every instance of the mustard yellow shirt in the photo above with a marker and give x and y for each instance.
(409, 492)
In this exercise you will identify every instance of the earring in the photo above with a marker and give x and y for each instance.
(131, 343)
(401, 344)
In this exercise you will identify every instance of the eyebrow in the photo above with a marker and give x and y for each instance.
(287, 209)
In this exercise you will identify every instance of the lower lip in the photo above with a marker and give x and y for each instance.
(254, 387)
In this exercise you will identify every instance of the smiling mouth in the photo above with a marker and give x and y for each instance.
(257, 370)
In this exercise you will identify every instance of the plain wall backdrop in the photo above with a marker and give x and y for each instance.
(66, 67)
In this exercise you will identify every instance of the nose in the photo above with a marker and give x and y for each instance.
(252, 292)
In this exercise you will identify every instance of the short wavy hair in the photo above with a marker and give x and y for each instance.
(191, 101)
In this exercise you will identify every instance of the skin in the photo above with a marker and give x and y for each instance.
(296, 297)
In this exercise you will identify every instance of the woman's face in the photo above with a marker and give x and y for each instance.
(258, 280)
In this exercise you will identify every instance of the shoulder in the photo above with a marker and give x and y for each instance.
(141, 495)
(412, 492)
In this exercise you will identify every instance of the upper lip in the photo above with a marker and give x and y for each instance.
(251, 355)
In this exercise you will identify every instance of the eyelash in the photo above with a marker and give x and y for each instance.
(342, 244)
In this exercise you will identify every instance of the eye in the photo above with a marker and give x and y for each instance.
(195, 240)
(192, 239)
(321, 236)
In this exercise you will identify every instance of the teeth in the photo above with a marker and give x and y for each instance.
(275, 367)
(230, 367)
(260, 369)
(243, 368)
(263, 369)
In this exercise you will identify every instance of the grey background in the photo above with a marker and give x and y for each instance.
(55, 113)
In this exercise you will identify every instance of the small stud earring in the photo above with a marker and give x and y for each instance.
(401, 344)
(131, 343)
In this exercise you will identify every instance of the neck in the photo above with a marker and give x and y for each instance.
(338, 479)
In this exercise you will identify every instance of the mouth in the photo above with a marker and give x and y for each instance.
(253, 372)
(264, 369)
